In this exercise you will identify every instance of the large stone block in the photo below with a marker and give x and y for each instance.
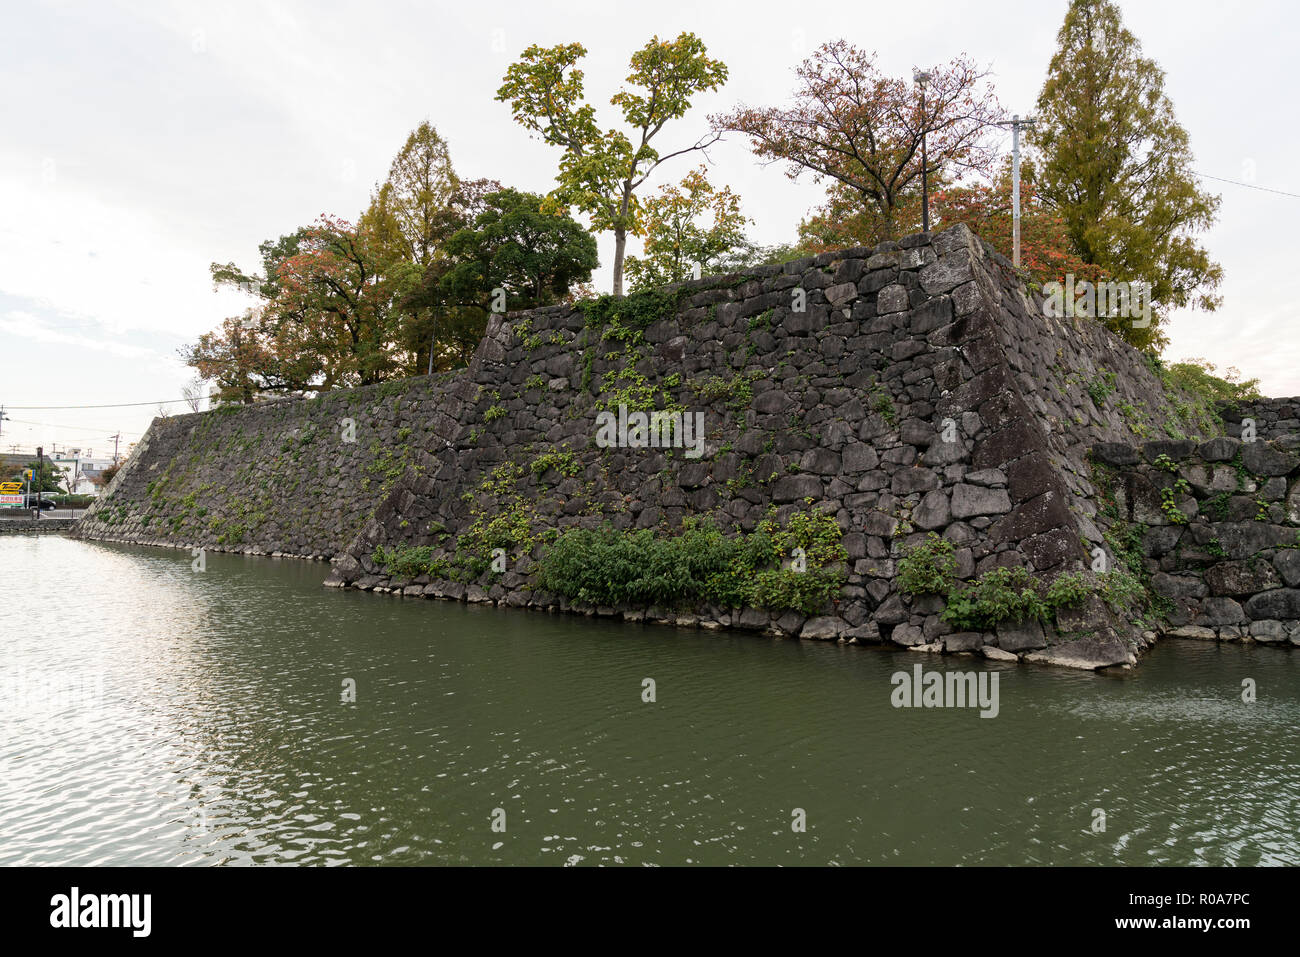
(1280, 603)
(1241, 577)
(1263, 459)
(1041, 514)
(1021, 636)
(971, 500)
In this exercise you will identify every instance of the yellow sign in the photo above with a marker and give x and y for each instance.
(9, 488)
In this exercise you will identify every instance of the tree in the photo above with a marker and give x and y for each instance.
(106, 475)
(601, 170)
(408, 214)
(675, 239)
(1046, 253)
(192, 392)
(1116, 166)
(45, 477)
(429, 324)
(843, 221)
(534, 258)
(853, 125)
(243, 360)
(328, 318)
(338, 302)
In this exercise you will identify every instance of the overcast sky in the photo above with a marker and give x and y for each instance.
(141, 141)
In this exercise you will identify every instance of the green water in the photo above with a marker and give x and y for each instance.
(158, 715)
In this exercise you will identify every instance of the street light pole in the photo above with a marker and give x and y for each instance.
(921, 78)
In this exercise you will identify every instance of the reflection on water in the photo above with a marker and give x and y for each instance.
(157, 715)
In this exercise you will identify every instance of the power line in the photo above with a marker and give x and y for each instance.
(1266, 189)
(61, 426)
(116, 405)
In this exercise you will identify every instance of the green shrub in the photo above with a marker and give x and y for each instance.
(1013, 594)
(1000, 594)
(927, 568)
(404, 561)
(639, 568)
(566, 462)
(1069, 589)
(1101, 387)
(807, 592)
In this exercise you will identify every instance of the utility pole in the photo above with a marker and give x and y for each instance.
(2, 417)
(921, 78)
(115, 439)
(1015, 124)
(40, 484)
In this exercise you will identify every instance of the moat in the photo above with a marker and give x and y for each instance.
(156, 714)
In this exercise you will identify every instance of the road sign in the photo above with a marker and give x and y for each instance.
(11, 494)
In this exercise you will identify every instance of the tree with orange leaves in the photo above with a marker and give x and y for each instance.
(854, 126)
(328, 317)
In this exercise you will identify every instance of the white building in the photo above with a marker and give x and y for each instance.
(82, 469)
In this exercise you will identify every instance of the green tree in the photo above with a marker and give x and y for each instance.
(411, 213)
(1116, 166)
(534, 258)
(601, 170)
(676, 240)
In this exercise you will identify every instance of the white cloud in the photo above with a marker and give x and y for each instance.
(147, 140)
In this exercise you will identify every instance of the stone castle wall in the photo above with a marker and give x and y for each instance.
(1220, 527)
(911, 388)
(286, 477)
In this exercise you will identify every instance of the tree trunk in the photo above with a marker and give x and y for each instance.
(620, 242)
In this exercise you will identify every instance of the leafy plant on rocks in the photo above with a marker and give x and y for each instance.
(927, 568)
(1100, 388)
(610, 567)
(564, 461)
(1000, 594)
(882, 403)
(1169, 501)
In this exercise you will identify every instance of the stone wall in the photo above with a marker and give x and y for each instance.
(287, 477)
(911, 388)
(12, 526)
(920, 390)
(1220, 529)
(1277, 420)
